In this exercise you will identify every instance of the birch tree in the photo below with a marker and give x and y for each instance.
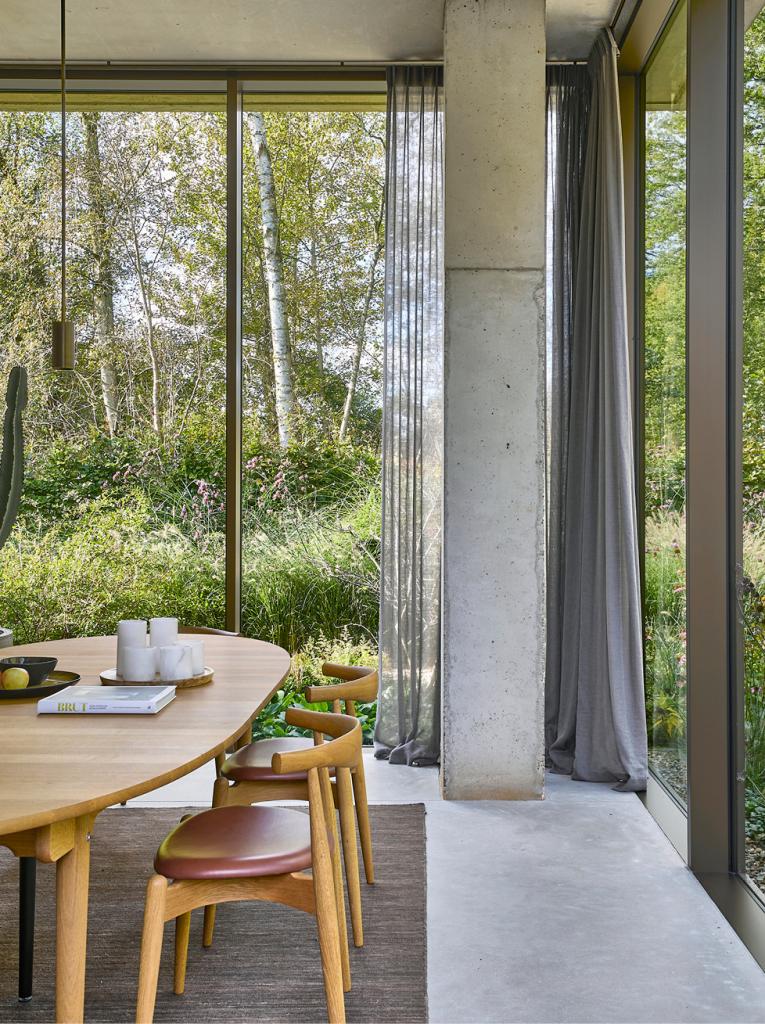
(284, 396)
(362, 332)
(103, 284)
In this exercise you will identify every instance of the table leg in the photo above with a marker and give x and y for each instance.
(72, 874)
(27, 878)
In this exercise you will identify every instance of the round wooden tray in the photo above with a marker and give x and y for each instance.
(110, 678)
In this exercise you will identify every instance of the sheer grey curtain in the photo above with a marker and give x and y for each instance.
(408, 714)
(595, 716)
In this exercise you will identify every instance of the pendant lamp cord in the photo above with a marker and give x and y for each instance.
(63, 161)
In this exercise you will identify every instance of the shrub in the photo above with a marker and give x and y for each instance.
(81, 581)
(312, 576)
(306, 671)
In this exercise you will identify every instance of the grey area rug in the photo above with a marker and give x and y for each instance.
(264, 964)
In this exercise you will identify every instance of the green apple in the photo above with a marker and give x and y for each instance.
(15, 678)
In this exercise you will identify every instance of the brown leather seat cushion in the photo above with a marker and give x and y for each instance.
(253, 762)
(236, 842)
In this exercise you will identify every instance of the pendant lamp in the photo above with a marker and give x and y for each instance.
(63, 329)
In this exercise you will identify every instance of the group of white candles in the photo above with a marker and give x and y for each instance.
(165, 655)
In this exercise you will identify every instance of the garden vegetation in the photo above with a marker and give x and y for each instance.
(124, 506)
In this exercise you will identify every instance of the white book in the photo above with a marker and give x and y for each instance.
(106, 700)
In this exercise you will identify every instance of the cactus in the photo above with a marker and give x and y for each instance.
(12, 458)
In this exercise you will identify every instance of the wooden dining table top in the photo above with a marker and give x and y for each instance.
(56, 767)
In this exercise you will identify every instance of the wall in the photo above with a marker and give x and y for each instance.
(493, 561)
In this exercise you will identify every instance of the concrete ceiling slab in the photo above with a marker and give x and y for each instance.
(154, 31)
(573, 24)
(224, 30)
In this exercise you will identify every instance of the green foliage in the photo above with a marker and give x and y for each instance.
(665, 635)
(306, 671)
(124, 508)
(664, 602)
(310, 571)
(754, 271)
(79, 580)
(309, 575)
(664, 330)
(147, 269)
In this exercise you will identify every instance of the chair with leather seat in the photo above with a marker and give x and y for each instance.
(246, 777)
(260, 853)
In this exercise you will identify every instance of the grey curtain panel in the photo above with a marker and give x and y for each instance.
(408, 712)
(568, 108)
(595, 715)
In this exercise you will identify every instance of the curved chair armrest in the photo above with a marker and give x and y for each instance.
(342, 751)
(360, 685)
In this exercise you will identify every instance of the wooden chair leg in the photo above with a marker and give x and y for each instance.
(182, 929)
(362, 816)
(350, 851)
(329, 944)
(220, 792)
(208, 929)
(151, 948)
(337, 879)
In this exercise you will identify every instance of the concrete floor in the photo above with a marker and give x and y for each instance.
(573, 909)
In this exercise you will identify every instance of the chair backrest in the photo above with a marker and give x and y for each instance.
(360, 684)
(342, 752)
(206, 631)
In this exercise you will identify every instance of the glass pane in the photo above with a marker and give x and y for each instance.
(312, 336)
(752, 592)
(664, 398)
(123, 510)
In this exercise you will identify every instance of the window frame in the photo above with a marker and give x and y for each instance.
(710, 837)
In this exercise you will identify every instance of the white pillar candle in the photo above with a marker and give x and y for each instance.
(197, 656)
(130, 633)
(139, 664)
(164, 632)
(175, 662)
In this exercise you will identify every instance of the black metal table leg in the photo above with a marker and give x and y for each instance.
(27, 878)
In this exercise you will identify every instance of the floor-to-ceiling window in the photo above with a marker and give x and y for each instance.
(123, 509)
(663, 394)
(700, 332)
(313, 192)
(751, 580)
(126, 511)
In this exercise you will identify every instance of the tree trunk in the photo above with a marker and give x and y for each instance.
(361, 337)
(317, 317)
(146, 302)
(316, 314)
(103, 290)
(277, 302)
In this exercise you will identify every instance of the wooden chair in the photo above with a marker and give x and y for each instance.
(246, 778)
(260, 853)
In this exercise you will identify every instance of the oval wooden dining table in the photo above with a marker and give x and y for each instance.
(57, 772)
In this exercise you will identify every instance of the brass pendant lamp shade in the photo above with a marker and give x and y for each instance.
(63, 330)
(63, 345)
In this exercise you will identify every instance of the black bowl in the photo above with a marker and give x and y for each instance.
(38, 668)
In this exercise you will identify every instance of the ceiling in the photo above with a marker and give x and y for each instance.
(262, 30)
(573, 24)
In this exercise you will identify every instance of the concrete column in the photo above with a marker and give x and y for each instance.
(493, 559)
